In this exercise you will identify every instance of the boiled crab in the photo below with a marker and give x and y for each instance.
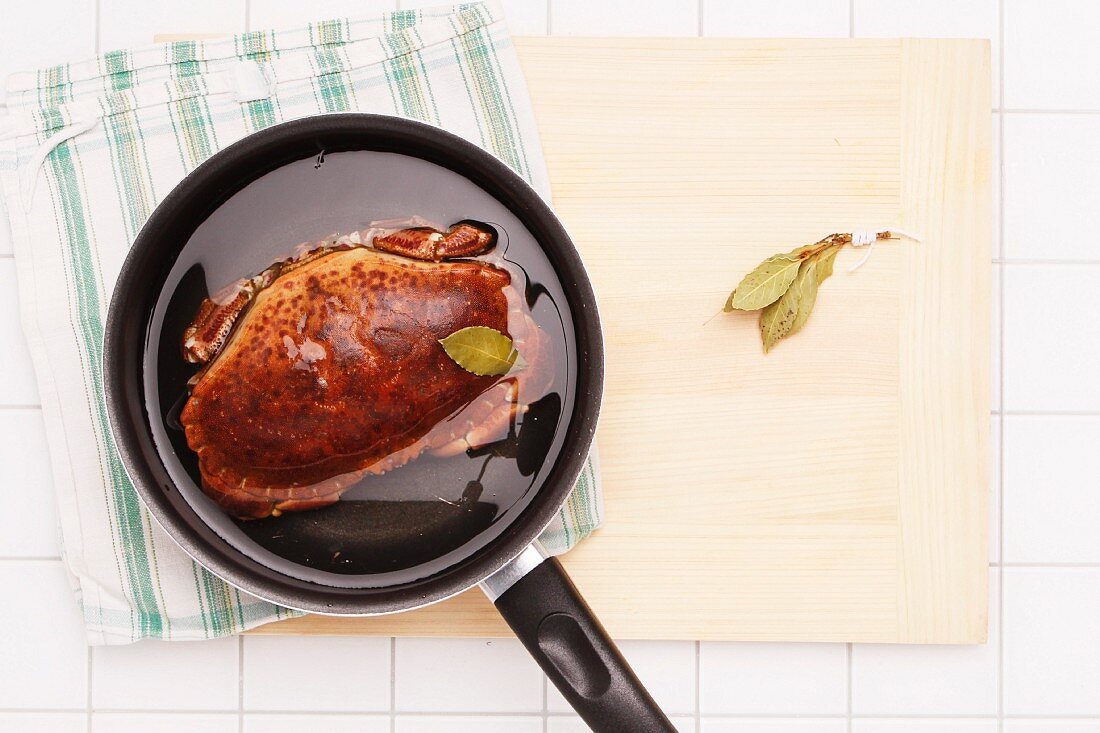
(328, 366)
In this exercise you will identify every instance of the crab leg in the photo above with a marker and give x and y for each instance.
(423, 243)
(483, 421)
(488, 418)
(214, 322)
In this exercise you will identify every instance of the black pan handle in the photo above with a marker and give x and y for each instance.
(543, 607)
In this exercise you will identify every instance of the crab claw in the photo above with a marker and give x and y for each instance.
(214, 321)
(464, 239)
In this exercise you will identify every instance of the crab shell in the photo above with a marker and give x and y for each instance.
(328, 367)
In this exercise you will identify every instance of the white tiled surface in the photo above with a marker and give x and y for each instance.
(121, 26)
(153, 676)
(786, 679)
(777, 18)
(1052, 641)
(1052, 726)
(18, 386)
(1051, 339)
(364, 685)
(1051, 495)
(995, 490)
(933, 18)
(308, 723)
(1040, 672)
(900, 680)
(28, 519)
(624, 17)
(43, 660)
(573, 724)
(1051, 58)
(1050, 164)
(774, 725)
(276, 13)
(44, 722)
(24, 28)
(164, 723)
(469, 675)
(901, 725)
(482, 724)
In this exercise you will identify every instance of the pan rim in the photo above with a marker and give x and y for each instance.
(122, 362)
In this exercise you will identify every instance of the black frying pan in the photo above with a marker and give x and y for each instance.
(531, 591)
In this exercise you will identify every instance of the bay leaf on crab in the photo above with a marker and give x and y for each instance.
(777, 318)
(481, 350)
(765, 284)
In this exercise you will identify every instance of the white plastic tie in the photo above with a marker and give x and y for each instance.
(30, 175)
(867, 238)
(249, 82)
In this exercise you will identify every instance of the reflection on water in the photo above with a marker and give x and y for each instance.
(376, 527)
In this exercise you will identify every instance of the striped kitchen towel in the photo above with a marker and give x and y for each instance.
(89, 149)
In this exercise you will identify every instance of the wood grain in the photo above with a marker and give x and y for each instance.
(943, 387)
(834, 490)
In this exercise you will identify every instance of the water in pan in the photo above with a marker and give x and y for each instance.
(433, 511)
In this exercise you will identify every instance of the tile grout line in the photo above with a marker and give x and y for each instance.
(98, 26)
(88, 692)
(1050, 565)
(393, 685)
(1024, 261)
(970, 716)
(240, 683)
(699, 11)
(1001, 378)
(698, 686)
(375, 714)
(545, 703)
(849, 690)
(1047, 111)
(1050, 413)
(851, 18)
(555, 715)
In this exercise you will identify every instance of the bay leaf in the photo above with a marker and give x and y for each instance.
(481, 350)
(806, 286)
(765, 284)
(777, 318)
(803, 252)
(798, 302)
(825, 262)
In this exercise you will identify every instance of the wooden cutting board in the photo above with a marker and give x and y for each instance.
(835, 489)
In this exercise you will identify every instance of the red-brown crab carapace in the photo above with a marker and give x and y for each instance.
(327, 367)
